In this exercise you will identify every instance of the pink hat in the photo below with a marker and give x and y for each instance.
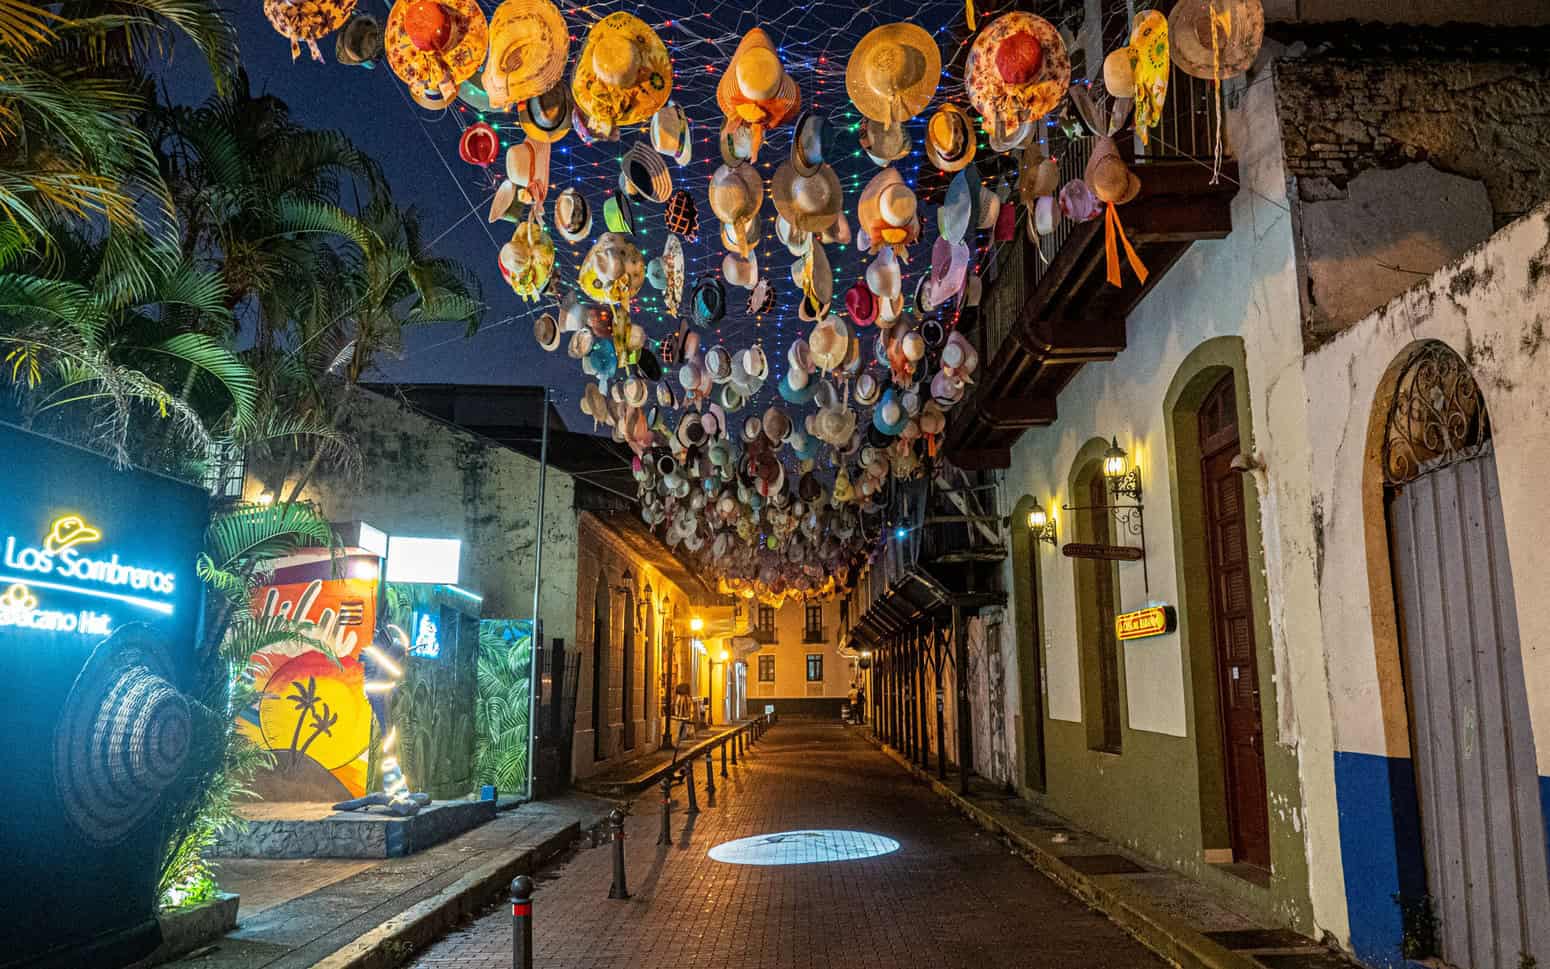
(861, 304)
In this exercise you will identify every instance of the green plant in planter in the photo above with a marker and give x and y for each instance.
(240, 546)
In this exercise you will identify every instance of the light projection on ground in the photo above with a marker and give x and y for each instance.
(803, 848)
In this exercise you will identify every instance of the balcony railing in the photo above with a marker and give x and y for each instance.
(763, 635)
(814, 635)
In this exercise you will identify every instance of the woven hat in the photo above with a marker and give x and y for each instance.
(528, 259)
(681, 216)
(796, 388)
(755, 92)
(893, 72)
(670, 133)
(1216, 39)
(809, 203)
(883, 144)
(527, 166)
(673, 270)
(742, 237)
(709, 301)
(645, 173)
(811, 143)
(479, 145)
(454, 35)
(529, 45)
(359, 43)
(572, 215)
(718, 363)
(547, 116)
(800, 356)
(886, 210)
(122, 736)
(950, 140)
(735, 193)
(307, 21)
(838, 233)
(1110, 179)
(1013, 139)
(613, 270)
(619, 214)
(623, 74)
(1017, 71)
(816, 280)
(868, 389)
(753, 362)
(739, 270)
(829, 343)
(1119, 73)
(546, 331)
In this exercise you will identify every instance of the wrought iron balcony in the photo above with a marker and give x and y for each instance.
(1048, 309)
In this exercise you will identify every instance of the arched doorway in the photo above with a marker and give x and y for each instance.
(1482, 826)
(600, 646)
(650, 658)
(1097, 600)
(1028, 624)
(627, 690)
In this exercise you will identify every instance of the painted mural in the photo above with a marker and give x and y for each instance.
(432, 706)
(501, 709)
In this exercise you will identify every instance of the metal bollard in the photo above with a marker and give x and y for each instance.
(710, 773)
(694, 804)
(666, 837)
(522, 922)
(619, 889)
(723, 758)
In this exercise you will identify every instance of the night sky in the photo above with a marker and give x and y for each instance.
(418, 151)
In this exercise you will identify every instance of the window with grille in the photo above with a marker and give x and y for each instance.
(815, 667)
(766, 669)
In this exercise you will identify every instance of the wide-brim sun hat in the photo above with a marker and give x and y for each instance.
(950, 138)
(1215, 39)
(527, 261)
(949, 268)
(529, 45)
(861, 304)
(613, 270)
(809, 203)
(892, 73)
(739, 270)
(735, 192)
(1017, 71)
(307, 21)
(433, 75)
(527, 166)
(884, 145)
(887, 210)
(816, 280)
(884, 277)
(755, 92)
(645, 173)
(623, 74)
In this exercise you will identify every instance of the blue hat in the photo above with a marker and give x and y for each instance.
(793, 396)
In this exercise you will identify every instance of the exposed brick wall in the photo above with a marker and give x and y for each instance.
(1347, 113)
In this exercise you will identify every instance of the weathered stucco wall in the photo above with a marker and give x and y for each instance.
(423, 478)
(1492, 307)
(790, 652)
(1148, 796)
(1406, 151)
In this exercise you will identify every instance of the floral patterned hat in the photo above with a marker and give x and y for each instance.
(623, 74)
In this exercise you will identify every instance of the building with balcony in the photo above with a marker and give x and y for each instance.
(794, 659)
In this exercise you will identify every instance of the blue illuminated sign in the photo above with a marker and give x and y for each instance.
(425, 640)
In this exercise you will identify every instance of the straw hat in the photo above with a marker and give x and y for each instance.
(479, 145)
(829, 342)
(755, 92)
(735, 193)
(800, 356)
(739, 270)
(1216, 39)
(580, 344)
(883, 144)
(886, 210)
(868, 389)
(528, 259)
(623, 74)
(950, 140)
(1017, 71)
(816, 280)
(811, 143)
(547, 116)
(952, 218)
(359, 43)
(884, 276)
(1110, 179)
(809, 203)
(893, 72)
(742, 237)
(670, 133)
(673, 269)
(613, 270)
(527, 166)
(838, 233)
(529, 45)
(307, 20)
(1119, 73)
(645, 173)
(776, 425)
(753, 362)
(572, 215)
(435, 45)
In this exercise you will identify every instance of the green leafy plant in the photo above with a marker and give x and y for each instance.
(501, 705)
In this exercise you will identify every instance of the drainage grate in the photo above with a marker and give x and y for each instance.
(1103, 864)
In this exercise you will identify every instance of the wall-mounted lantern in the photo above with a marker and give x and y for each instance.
(1041, 528)
(1123, 479)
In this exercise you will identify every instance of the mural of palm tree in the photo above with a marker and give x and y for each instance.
(323, 720)
(306, 699)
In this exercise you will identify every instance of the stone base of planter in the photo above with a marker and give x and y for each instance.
(186, 929)
(300, 830)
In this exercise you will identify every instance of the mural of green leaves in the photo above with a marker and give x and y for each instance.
(501, 709)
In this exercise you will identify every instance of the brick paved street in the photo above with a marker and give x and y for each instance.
(950, 896)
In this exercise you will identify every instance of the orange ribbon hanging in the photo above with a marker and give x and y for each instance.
(968, 14)
(1111, 230)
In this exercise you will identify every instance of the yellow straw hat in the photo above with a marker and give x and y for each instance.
(755, 90)
(892, 74)
(623, 74)
(433, 74)
(529, 44)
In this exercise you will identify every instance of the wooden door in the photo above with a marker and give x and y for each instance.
(1232, 628)
(1104, 592)
(627, 691)
(600, 648)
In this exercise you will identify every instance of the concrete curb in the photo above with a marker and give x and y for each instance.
(1168, 936)
(418, 926)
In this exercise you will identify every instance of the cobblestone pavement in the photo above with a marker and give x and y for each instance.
(949, 897)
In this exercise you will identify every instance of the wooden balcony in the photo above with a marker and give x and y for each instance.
(1048, 311)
